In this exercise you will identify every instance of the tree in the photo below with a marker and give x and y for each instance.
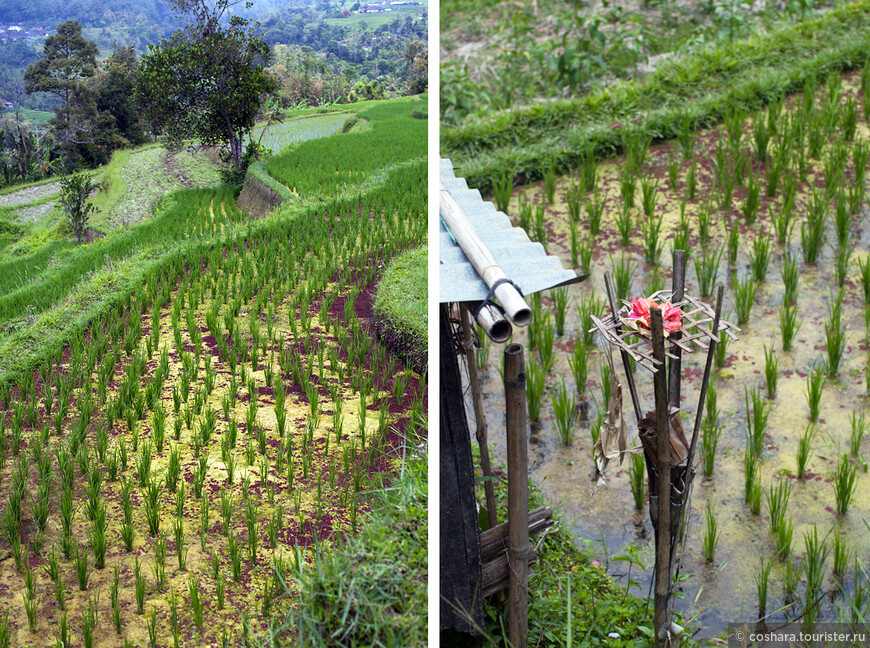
(74, 193)
(67, 58)
(207, 81)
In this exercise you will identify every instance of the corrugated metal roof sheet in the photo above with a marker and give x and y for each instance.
(526, 263)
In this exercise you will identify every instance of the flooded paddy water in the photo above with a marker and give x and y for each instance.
(713, 594)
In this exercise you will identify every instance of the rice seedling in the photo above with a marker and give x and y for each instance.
(584, 255)
(606, 383)
(691, 181)
(817, 553)
(574, 201)
(637, 479)
(649, 188)
(762, 578)
(789, 274)
(625, 225)
(710, 434)
(842, 553)
(114, 596)
(589, 168)
(803, 451)
(564, 412)
(771, 370)
(850, 119)
(788, 325)
(816, 381)
(760, 259)
(578, 362)
(501, 190)
(549, 175)
(865, 279)
(744, 296)
(560, 309)
(622, 274)
(777, 503)
(706, 219)
(813, 230)
(858, 427)
(81, 565)
(707, 269)
(842, 219)
(835, 335)
(732, 243)
(757, 413)
(673, 171)
(782, 539)
(595, 211)
(680, 240)
(753, 200)
(844, 483)
(160, 562)
(138, 586)
(720, 353)
(761, 135)
(650, 230)
(793, 571)
(711, 534)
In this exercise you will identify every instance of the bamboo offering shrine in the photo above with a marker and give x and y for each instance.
(655, 332)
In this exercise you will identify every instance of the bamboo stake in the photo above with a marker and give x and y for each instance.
(674, 370)
(518, 495)
(481, 258)
(629, 378)
(704, 382)
(663, 531)
(479, 417)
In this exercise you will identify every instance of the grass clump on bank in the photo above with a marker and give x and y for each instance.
(400, 308)
(567, 577)
(356, 593)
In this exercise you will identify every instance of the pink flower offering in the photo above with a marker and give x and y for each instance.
(639, 315)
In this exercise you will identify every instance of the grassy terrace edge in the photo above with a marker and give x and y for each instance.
(400, 310)
(703, 87)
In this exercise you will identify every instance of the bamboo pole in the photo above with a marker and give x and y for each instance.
(704, 382)
(479, 417)
(481, 258)
(494, 324)
(663, 531)
(518, 495)
(674, 371)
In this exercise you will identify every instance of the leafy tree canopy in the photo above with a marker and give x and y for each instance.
(67, 57)
(207, 81)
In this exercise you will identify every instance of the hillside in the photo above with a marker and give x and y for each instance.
(230, 418)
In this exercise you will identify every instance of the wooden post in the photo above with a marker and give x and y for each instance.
(518, 495)
(679, 285)
(663, 532)
(479, 417)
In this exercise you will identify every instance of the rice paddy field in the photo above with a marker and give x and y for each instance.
(173, 468)
(772, 205)
(279, 136)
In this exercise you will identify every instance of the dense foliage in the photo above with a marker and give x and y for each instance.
(207, 81)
